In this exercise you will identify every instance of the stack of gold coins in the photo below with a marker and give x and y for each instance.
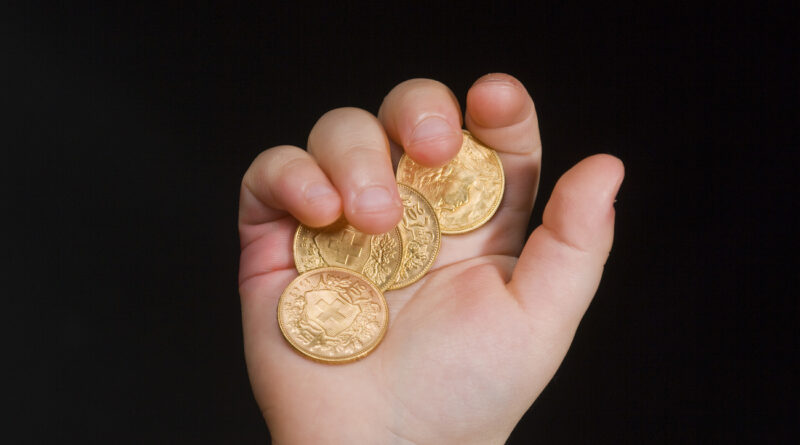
(335, 310)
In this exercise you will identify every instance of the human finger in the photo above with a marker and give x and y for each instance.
(281, 181)
(501, 113)
(286, 178)
(351, 147)
(561, 265)
(423, 116)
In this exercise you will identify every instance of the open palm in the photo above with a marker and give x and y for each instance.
(471, 345)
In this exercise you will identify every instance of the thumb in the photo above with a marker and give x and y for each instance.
(561, 264)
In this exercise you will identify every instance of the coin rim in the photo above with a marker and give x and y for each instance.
(395, 285)
(329, 360)
(495, 205)
(390, 279)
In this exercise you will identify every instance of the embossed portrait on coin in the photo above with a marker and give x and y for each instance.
(464, 183)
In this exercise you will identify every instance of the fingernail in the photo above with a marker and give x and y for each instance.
(318, 192)
(431, 128)
(373, 200)
(497, 79)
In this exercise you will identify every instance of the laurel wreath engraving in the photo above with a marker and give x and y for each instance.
(384, 253)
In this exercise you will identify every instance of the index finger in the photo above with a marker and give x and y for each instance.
(287, 178)
(281, 181)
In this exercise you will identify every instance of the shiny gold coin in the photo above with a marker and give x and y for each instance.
(333, 315)
(377, 257)
(466, 192)
(419, 230)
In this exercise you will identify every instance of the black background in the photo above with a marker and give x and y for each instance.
(128, 129)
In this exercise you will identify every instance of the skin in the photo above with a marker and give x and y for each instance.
(471, 345)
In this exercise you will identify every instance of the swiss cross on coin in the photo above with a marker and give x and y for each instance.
(348, 248)
(329, 311)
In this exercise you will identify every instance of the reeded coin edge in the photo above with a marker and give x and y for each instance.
(294, 248)
(397, 285)
(329, 360)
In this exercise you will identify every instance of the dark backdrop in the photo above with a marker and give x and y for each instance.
(128, 129)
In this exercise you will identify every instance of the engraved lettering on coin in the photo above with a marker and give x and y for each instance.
(419, 230)
(377, 257)
(332, 315)
(466, 192)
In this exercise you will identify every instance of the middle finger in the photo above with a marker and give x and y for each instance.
(351, 146)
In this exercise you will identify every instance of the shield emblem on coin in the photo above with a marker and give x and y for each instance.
(346, 248)
(331, 312)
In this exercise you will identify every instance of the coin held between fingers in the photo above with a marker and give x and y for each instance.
(466, 192)
(378, 257)
(419, 230)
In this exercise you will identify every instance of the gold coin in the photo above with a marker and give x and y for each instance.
(377, 257)
(419, 230)
(333, 315)
(466, 192)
